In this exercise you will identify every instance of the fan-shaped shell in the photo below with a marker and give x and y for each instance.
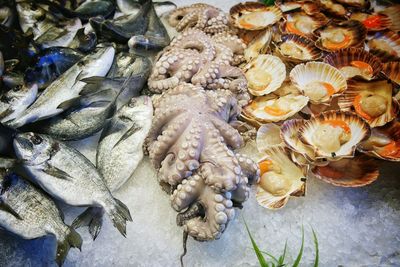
(341, 35)
(355, 62)
(333, 8)
(392, 71)
(372, 22)
(370, 100)
(355, 3)
(254, 15)
(334, 135)
(300, 23)
(393, 13)
(384, 142)
(269, 108)
(259, 45)
(385, 45)
(319, 81)
(309, 7)
(297, 48)
(264, 74)
(268, 135)
(356, 172)
(280, 179)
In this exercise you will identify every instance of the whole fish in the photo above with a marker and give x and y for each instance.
(119, 152)
(30, 213)
(16, 101)
(57, 96)
(84, 42)
(67, 175)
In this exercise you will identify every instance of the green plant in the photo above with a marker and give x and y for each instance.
(280, 261)
(268, 2)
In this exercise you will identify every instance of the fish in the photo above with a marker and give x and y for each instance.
(119, 152)
(13, 79)
(7, 16)
(132, 6)
(85, 43)
(29, 213)
(57, 96)
(1, 64)
(6, 141)
(30, 16)
(16, 101)
(50, 63)
(67, 175)
(85, 118)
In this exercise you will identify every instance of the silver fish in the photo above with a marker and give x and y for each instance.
(55, 99)
(132, 6)
(30, 213)
(119, 152)
(67, 175)
(30, 15)
(16, 101)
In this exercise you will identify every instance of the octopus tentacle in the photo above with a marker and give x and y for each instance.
(249, 168)
(230, 135)
(187, 192)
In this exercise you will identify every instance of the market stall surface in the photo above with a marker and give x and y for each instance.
(355, 226)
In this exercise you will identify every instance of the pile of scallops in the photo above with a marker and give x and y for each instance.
(323, 76)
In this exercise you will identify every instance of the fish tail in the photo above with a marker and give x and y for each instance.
(73, 239)
(119, 214)
(92, 218)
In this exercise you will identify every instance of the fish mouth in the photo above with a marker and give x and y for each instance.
(22, 142)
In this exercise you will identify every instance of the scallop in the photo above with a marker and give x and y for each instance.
(392, 12)
(334, 135)
(309, 7)
(302, 24)
(355, 62)
(269, 108)
(356, 172)
(268, 135)
(333, 8)
(297, 48)
(254, 15)
(355, 3)
(385, 45)
(370, 100)
(259, 44)
(264, 74)
(319, 81)
(392, 71)
(384, 142)
(341, 35)
(280, 179)
(372, 22)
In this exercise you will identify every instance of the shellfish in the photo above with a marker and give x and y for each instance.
(319, 81)
(268, 135)
(355, 3)
(297, 48)
(302, 24)
(254, 15)
(280, 179)
(333, 8)
(392, 71)
(259, 44)
(372, 22)
(354, 62)
(385, 45)
(309, 7)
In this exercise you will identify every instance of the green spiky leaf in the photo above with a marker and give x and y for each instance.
(316, 261)
(281, 261)
(269, 2)
(300, 255)
(261, 259)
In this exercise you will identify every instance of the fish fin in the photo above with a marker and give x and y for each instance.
(56, 172)
(91, 217)
(119, 214)
(5, 207)
(69, 103)
(126, 135)
(73, 239)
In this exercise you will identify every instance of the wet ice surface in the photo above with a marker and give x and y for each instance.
(355, 227)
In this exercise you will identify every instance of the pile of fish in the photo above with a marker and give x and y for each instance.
(69, 70)
(324, 78)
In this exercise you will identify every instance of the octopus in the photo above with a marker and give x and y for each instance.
(198, 58)
(191, 144)
(199, 16)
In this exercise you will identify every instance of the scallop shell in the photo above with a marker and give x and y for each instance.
(281, 179)
(385, 45)
(333, 8)
(392, 13)
(300, 23)
(355, 62)
(370, 21)
(319, 81)
(319, 133)
(309, 7)
(341, 35)
(297, 49)
(264, 74)
(268, 135)
(259, 45)
(254, 15)
(392, 71)
(364, 4)
(381, 88)
(248, 36)
(384, 142)
(356, 172)
(266, 109)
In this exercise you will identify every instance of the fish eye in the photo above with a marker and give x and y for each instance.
(36, 139)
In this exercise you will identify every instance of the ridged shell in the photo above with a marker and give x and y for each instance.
(392, 71)
(381, 89)
(309, 7)
(393, 13)
(268, 135)
(341, 35)
(254, 16)
(281, 179)
(355, 3)
(319, 81)
(297, 49)
(384, 142)
(333, 8)
(259, 45)
(355, 62)
(302, 24)
(372, 22)
(248, 36)
(313, 134)
(356, 172)
(264, 74)
(385, 45)
(265, 109)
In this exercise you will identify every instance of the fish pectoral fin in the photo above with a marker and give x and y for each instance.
(69, 103)
(5, 207)
(126, 135)
(56, 172)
